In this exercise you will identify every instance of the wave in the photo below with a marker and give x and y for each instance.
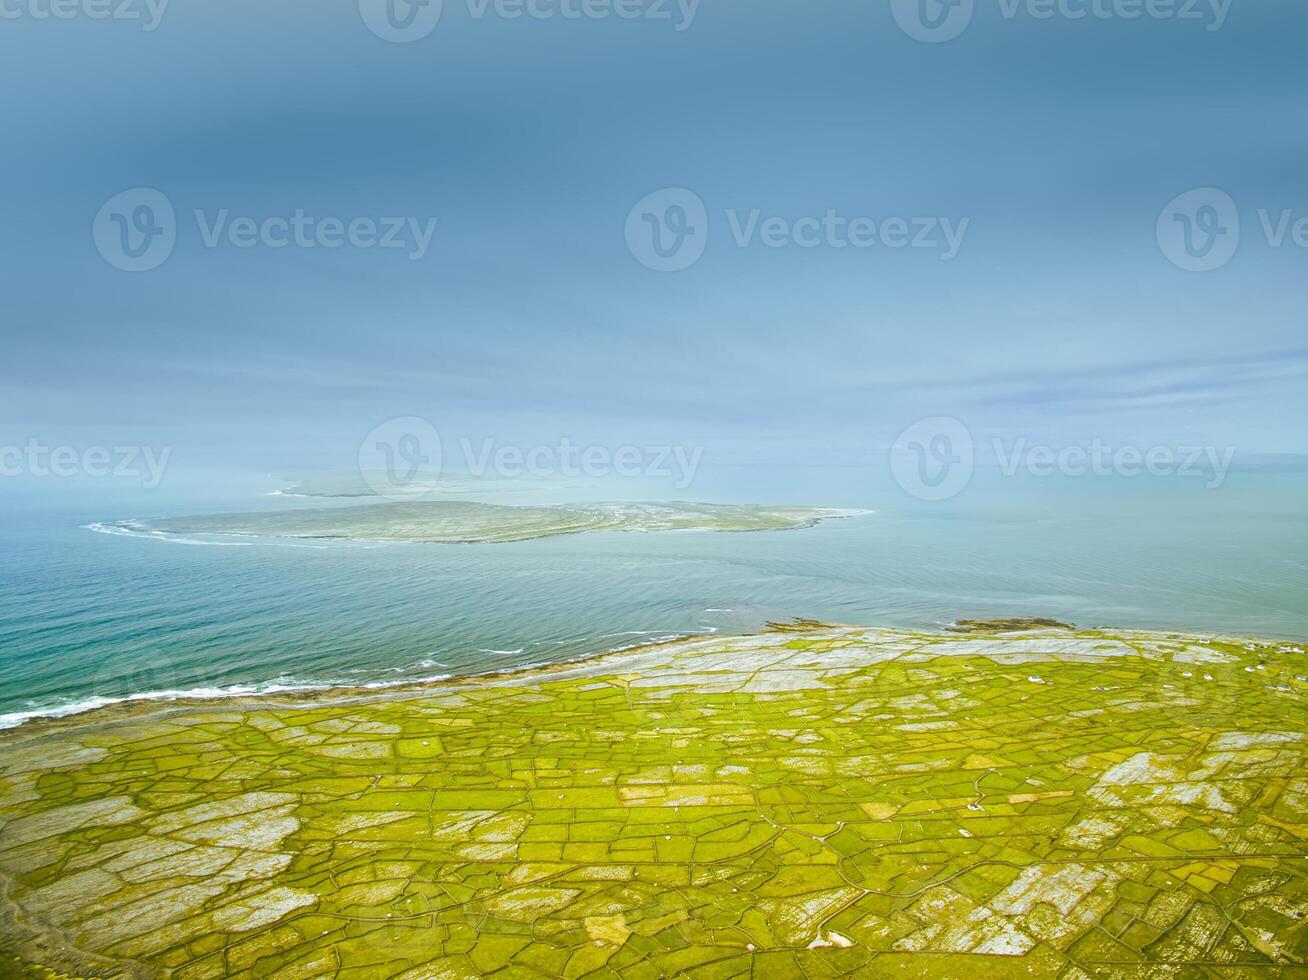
(425, 664)
(131, 529)
(278, 685)
(289, 685)
(374, 685)
(661, 633)
(134, 529)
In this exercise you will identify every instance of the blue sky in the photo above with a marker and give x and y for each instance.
(528, 319)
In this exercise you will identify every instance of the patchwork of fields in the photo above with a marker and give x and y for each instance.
(812, 802)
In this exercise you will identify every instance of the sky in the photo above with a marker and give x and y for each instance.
(1056, 149)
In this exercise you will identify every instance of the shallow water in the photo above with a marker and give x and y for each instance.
(87, 617)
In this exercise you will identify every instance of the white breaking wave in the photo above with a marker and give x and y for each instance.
(129, 529)
(132, 529)
(687, 632)
(279, 685)
(290, 685)
(431, 679)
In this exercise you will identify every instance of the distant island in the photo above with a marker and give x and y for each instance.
(466, 522)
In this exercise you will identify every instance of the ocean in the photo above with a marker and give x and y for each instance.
(89, 618)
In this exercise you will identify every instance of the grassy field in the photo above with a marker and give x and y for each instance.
(464, 522)
(810, 802)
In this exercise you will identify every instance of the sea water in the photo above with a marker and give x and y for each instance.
(89, 618)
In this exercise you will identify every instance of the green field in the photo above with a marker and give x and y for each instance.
(465, 522)
(810, 802)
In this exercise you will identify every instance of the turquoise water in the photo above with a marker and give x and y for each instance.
(88, 617)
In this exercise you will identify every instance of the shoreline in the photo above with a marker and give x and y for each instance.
(157, 705)
(151, 704)
(143, 530)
